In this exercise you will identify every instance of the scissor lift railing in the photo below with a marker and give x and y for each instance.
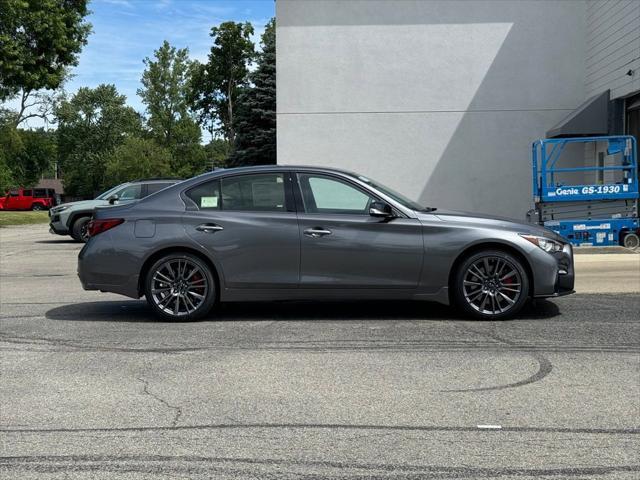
(576, 210)
(547, 152)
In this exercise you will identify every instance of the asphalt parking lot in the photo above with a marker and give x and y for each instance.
(93, 386)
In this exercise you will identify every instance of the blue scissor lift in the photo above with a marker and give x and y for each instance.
(594, 203)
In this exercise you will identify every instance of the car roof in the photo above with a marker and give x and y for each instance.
(159, 179)
(259, 168)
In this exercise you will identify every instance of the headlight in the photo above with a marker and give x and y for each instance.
(546, 244)
(58, 209)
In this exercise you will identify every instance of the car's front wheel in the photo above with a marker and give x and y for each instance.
(180, 286)
(80, 229)
(491, 285)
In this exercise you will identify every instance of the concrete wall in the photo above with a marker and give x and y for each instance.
(438, 99)
(613, 47)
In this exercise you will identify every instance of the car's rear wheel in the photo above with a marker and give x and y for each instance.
(80, 229)
(180, 286)
(491, 285)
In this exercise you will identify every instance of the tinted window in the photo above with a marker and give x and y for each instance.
(156, 187)
(261, 192)
(323, 194)
(13, 193)
(130, 192)
(206, 196)
(27, 193)
(40, 192)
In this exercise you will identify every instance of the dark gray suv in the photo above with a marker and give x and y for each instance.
(278, 232)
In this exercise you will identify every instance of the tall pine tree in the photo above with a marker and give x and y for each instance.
(255, 121)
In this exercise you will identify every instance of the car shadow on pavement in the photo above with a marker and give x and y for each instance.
(57, 241)
(138, 311)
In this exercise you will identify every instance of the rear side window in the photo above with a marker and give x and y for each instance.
(14, 193)
(156, 187)
(259, 192)
(251, 193)
(27, 193)
(206, 196)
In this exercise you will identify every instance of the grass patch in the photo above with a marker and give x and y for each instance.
(22, 218)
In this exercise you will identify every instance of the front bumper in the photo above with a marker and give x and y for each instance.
(563, 274)
(56, 225)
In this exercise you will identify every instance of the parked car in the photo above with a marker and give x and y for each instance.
(28, 199)
(277, 232)
(72, 218)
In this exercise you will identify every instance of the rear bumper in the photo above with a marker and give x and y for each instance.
(100, 269)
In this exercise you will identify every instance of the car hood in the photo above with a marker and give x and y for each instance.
(83, 204)
(492, 221)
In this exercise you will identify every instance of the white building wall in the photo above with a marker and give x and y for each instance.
(613, 47)
(438, 99)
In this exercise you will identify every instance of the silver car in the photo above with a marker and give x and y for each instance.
(282, 233)
(73, 218)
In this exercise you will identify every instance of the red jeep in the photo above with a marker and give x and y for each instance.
(28, 199)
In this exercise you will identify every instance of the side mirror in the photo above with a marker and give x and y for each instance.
(380, 209)
(113, 199)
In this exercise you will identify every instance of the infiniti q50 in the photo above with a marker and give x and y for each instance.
(282, 233)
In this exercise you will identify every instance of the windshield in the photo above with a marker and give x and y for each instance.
(108, 193)
(398, 197)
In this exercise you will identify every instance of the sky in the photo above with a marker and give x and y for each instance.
(127, 31)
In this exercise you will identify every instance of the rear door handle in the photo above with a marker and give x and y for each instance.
(317, 232)
(209, 228)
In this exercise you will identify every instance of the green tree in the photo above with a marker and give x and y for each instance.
(255, 119)
(137, 158)
(36, 157)
(25, 155)
(217, 153)
(165, 83)
(218, 83)
(188, 155)
(39, 40)
(6, 176)
(91, 124)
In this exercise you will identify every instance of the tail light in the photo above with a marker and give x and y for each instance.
(97, 226)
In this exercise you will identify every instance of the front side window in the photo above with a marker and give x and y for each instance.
(131, 192)
(259, 192)
(27, 193)
(323, 194)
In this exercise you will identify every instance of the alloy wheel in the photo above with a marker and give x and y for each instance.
(492, 285)
(179, 287)
(84, 232)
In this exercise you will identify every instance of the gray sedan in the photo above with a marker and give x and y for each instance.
(283, 233)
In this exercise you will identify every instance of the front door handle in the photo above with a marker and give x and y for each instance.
(316, 232)
(209, 228)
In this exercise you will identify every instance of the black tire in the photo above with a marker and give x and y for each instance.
(79, 229)
(631, 240)
(163, 303)
(493, 297)
(37, 207)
